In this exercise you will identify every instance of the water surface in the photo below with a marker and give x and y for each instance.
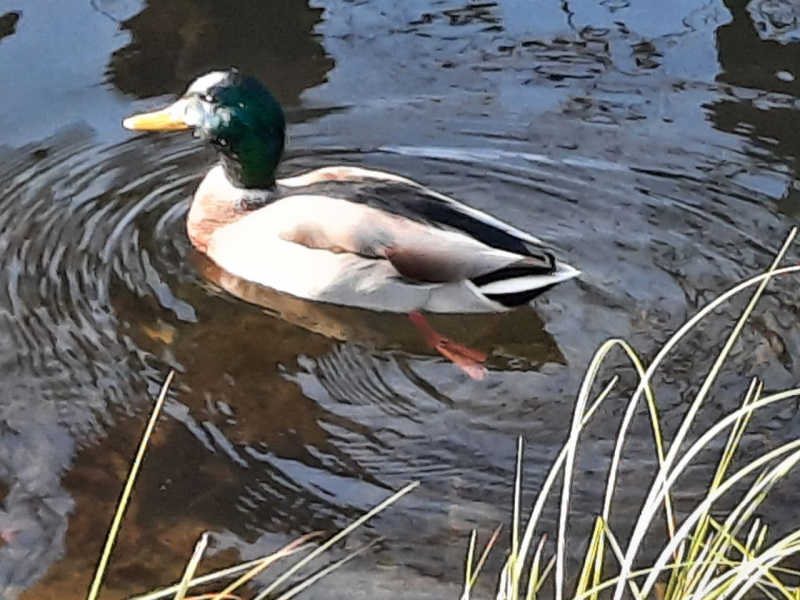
(653, 144)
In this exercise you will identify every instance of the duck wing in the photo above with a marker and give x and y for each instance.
(427, 236)
(405, 198)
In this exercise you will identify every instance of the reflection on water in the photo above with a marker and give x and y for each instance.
(777, 20)
(636, 138)
(761, 97)
(174, 42)
(517, 336)
(8, 24)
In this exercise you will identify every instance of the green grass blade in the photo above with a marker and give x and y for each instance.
(615, 547)
(535, 577)
(327, 571)
(590, 558)
(645, 518)
(124, 499)
(297, 545)
(468, 580)
(578, 423)
(191, 567)
(343, 533)
(690, 576)
(224, 574)
(738, 580)
(515, 559)
(555, 469)
(485, 554)
(748, 553)
(790, 448)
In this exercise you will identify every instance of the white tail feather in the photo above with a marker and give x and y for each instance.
(530, 282)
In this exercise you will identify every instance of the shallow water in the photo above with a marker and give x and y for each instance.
(653, 144)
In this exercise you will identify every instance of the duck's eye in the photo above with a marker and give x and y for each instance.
(208, 98)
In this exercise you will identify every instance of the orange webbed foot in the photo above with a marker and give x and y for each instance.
(469, 360)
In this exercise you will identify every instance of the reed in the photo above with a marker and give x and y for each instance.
(703, 557)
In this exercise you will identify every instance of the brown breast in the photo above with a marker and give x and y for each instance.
(216, 204)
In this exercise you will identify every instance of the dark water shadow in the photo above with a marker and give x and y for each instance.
(174, 42)
(8, 23)
(762, 73)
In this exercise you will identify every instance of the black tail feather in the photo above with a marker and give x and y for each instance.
(522, 268)
(517, 298)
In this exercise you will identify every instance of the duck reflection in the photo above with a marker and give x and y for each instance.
(510, 340)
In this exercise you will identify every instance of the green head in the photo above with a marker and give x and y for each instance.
(237, 115)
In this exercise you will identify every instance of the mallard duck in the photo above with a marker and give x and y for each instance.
(343, 234)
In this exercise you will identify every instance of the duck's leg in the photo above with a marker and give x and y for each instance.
(467, 359)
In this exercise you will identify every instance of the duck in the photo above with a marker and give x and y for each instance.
(341, 234)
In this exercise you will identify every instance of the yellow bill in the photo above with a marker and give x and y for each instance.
(158, 120)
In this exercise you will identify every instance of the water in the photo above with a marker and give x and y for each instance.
(653, 144)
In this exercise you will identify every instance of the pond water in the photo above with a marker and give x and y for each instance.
(652, 143)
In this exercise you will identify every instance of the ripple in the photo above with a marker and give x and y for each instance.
(75, 220)
(305, 413)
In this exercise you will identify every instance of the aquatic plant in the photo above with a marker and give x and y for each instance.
(703, 557)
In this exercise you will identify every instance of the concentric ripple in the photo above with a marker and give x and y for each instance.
(77, 223)
(78, 220)
(303, 415)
